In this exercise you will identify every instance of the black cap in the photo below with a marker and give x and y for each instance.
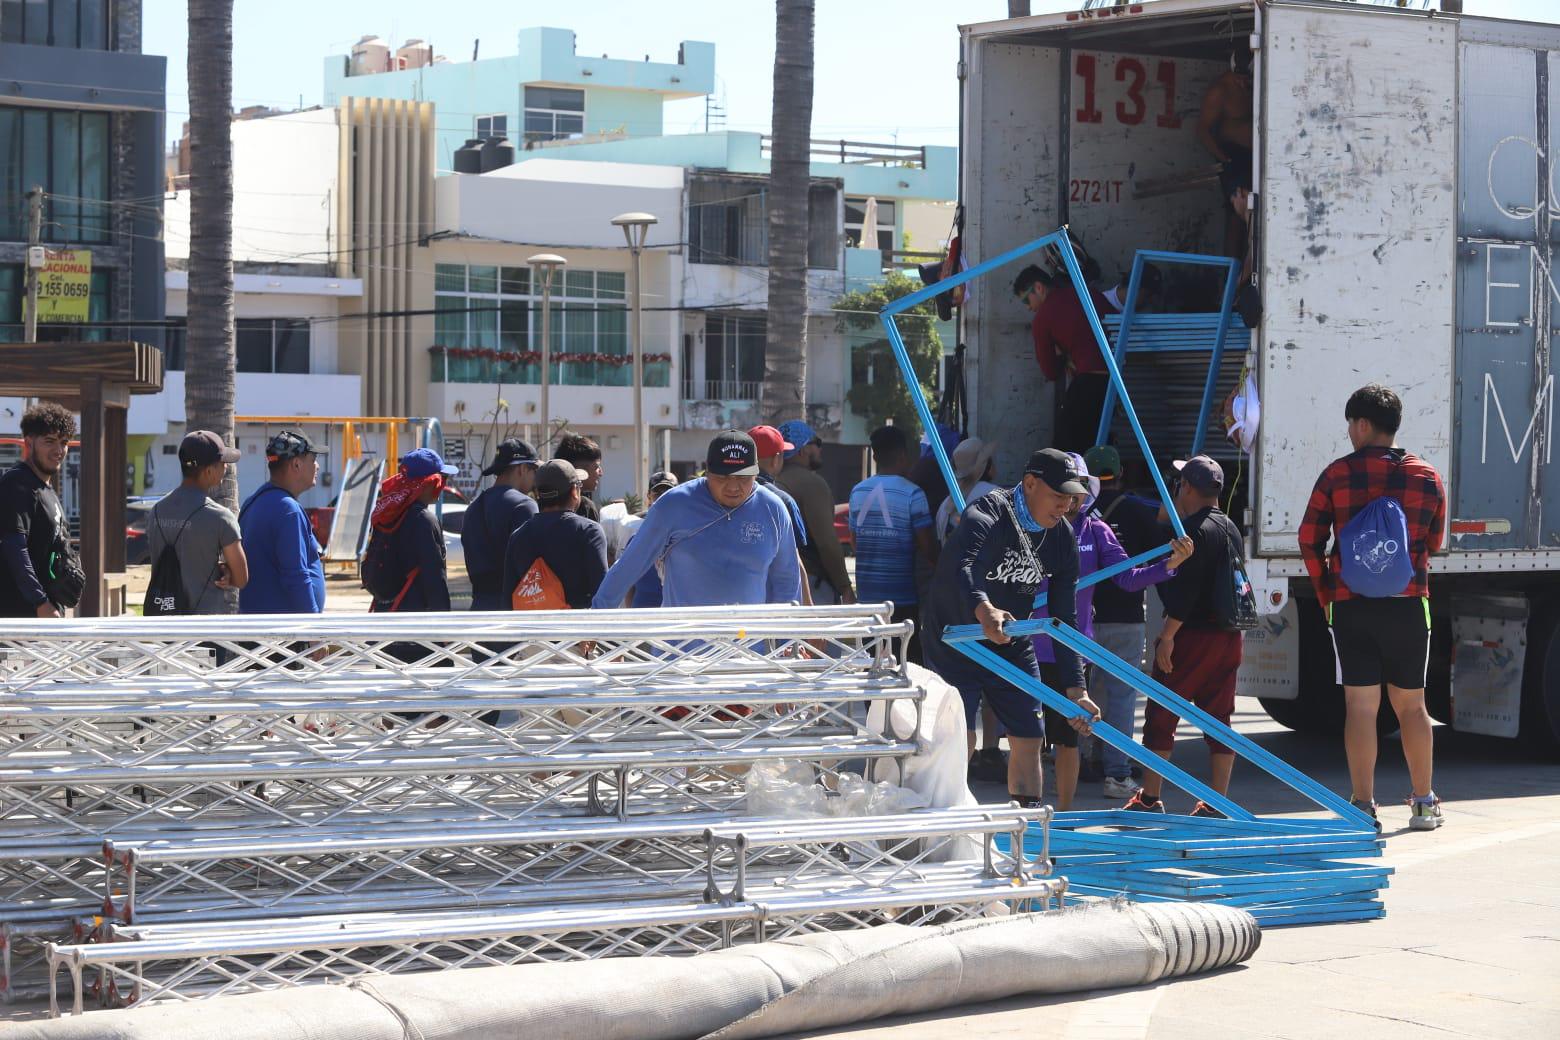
(1058, 471)
(661, 480)
(555, 478)
(1202, 473)
(513, 452)
(201, 448)
(289, 444)
(732, 454)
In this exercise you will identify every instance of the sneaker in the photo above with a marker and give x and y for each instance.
(1425, 813)
(988, 765)
(1141, 802)
(1204, 809)
(1026, 801)
(1119, 787)
(1369, 809)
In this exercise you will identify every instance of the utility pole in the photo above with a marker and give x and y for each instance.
(546, 266)
(636, 227)
(34, 263)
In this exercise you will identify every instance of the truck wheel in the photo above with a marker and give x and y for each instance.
(1298, 714)
(1438, 678)
(1540, 727)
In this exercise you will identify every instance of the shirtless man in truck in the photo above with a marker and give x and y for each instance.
(1224, 128)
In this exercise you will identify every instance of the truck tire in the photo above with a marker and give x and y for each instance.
(1540, 726)
(1299, 714)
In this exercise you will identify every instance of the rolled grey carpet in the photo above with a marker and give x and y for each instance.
(808, 982)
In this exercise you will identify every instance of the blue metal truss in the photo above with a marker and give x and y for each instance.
(1286, 871)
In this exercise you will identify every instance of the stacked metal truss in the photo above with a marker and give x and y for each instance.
(399, 784)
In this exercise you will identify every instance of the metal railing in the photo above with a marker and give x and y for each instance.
(857, 153)
(721, 389)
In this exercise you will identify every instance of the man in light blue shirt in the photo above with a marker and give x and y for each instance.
(892, 523)
(720, 539)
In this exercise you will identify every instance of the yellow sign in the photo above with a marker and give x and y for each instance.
(65, 285)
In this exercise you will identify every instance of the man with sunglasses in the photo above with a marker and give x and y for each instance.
(1065, 348)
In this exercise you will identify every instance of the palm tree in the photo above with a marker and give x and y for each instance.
(208, 355)
(784, 394)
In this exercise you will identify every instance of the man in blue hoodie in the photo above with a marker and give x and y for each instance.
(721, 539)
(285, 572)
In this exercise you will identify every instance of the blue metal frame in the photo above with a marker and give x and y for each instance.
(923, 409)
(1129, 311)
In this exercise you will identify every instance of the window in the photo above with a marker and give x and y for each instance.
(66, 153)
(855, 211)
(87, 24)
(13, 291)
(483, 313)
(266, 345)
(733, 358)
(728, 223)
(495, 126)
(553, 113)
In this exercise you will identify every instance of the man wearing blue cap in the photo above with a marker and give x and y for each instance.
(404, 564)
(824, 557)
(285, 573)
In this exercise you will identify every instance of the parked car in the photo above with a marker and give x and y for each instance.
(138, 512)
(454, 515)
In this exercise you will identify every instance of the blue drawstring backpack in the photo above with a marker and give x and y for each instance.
(1373, 550)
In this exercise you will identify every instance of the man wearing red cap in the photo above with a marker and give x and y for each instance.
(772, 446)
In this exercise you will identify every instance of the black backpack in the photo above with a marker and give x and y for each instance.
(166, 593)
(381, 573)
(1234, 600)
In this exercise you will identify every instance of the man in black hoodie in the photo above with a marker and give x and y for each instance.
(1007, 545)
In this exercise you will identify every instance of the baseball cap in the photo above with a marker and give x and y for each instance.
(201, 448)
(1058, 471)
(732, 454)
(555, 478)
(425, 462)
(799, 434)
(1104, 461)
(1202, 473)
(512, 452)
(662, 479)
(289, 444)
(769, 441)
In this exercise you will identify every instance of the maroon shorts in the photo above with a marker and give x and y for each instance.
(1204, 665)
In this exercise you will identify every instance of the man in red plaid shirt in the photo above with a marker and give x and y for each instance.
(1379, 639)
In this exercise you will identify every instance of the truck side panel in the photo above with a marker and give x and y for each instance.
(1011, 198)
(1358, 207)
(1505, 392)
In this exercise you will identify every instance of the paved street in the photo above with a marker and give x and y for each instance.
(1470, 945)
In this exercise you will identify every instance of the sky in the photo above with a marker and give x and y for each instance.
(885, 72)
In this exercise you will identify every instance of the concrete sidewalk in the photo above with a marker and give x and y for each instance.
(1470, 945)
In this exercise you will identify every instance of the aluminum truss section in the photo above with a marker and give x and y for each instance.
(225, 876)
(151, 964)
(623, 649)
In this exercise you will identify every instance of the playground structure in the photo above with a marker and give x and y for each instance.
(1291, 870)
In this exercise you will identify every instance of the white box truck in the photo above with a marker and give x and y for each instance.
(1403, 220)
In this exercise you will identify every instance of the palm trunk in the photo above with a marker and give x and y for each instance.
(208, 355)
(784, 394)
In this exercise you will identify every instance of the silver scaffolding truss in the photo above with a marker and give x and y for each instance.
(293, 770)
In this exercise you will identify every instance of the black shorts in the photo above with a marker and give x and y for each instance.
(1383, 641)
(1018, 712)
(1057, 729)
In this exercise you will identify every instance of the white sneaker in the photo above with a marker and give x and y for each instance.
(1424, 815)
(1119, 787)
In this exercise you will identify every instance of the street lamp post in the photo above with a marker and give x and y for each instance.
(544, 264)
(636, 228)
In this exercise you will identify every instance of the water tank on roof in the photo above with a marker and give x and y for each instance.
(414, 54)
(370, 55)
(497, 153)
(468, 157)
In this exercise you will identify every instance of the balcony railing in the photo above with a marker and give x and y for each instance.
(481, 365)
(857, 153)
(720, 390)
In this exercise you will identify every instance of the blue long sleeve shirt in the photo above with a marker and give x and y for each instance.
(285, 572)
(712, 555)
